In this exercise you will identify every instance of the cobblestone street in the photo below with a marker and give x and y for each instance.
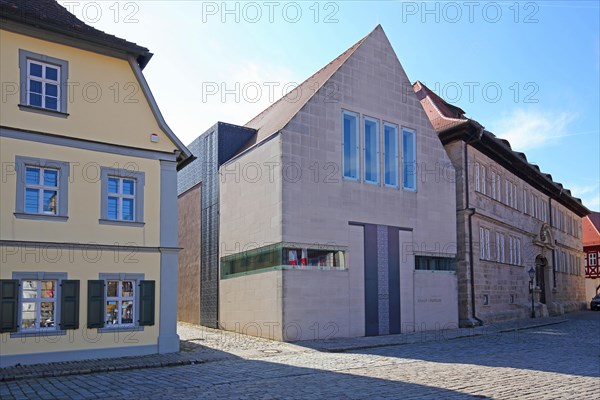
(560, 361)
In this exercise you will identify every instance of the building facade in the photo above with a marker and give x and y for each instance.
(591, 248)
(88, 195)
(336, 210)
(511, 217)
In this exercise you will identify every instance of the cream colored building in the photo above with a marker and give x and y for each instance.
(88, 194)
(334, 211)
(511, 218)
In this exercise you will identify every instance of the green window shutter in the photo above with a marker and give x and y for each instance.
(147, 302)
(9, 305)
(69, 304)
(95, 306)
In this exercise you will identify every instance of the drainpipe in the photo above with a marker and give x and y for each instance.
(471, 213)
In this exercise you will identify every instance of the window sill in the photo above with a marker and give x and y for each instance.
(44, 217)
(121, 329)
(44, 111)
(40, 333)
(121, 223)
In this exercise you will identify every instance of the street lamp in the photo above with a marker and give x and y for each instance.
(531, 273)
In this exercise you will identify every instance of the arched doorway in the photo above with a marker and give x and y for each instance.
(540, 271)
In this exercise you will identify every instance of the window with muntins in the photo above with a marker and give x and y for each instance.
(42, 188)
(38, 304)
(350, 145)
(43, 85)
(122, 196)
(371, 147)
(120, 302)
(43, 82)
(390, 154)
(409, 170)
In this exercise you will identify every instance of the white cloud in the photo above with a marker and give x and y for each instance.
(589, 194)
(532, 129)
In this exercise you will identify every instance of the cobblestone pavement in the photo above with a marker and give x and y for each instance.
(560, 361)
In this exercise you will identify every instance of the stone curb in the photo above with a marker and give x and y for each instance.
(28, 373)
(406, 340)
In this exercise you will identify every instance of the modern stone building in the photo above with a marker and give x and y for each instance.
(511, 217)
(591, 247)
(332, 213)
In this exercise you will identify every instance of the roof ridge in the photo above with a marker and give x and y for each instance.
(348, 52)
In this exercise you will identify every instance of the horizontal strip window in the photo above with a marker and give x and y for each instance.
(282, 256)
(426, 263)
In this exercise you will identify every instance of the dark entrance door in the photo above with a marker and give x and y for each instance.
(540, 266)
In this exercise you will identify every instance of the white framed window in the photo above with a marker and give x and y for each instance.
(500, 254)
(498, 188)
(564, 262)
(43, 82)
(43, 85)
(38, 304)
(371, 149)
(525, 201)
(592, 259)
(42, 188)
(477, 177)
(350, 145)
(480, 178)
(390, 154)
(493, 183)
(409, 160)
(120, 302)
(484, 243)
(518, 260)
(483, 179)
(122, 196)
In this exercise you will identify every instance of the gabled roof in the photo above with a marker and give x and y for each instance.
(48, 15)
(451, 124)
(594, 218)
(280, 113)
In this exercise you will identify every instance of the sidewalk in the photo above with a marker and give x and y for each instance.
(200, 345)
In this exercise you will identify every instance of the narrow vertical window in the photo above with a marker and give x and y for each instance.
(371, 147)
(498, 188)
(487, 244)
(350, 145)
(477, 182)
(390, 154)
(481, 244)
(525, 201)
(409, 170)
(493, 182)
(483, 179)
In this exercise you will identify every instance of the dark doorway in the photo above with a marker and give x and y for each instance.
(540, 269)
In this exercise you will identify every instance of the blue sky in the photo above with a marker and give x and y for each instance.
(527, 71)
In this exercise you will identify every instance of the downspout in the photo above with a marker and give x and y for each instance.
(471, 213)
